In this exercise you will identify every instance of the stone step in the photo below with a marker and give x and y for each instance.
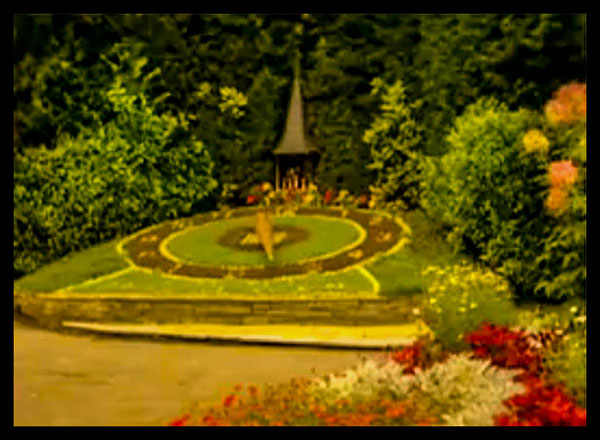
(371, 338)
(49, 310)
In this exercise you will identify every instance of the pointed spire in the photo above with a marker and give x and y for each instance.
(294, 139)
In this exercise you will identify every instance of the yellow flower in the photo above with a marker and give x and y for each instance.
(308, 198)
(535, 141)
(266, 186)
(342, 195)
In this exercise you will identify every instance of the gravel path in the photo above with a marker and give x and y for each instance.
(67, 379)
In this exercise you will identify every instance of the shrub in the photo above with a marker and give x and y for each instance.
(363, 382)
(542, 405)
(464, 391)
(394, 140)
(458, 298)
(561, 264)
(484, 187)
(514, 196)
(506, 348)
(136, 170)
(567, 362)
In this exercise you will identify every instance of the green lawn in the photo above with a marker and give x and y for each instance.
(335, 285)
(96, 261)
(327, 235)
(400, 273)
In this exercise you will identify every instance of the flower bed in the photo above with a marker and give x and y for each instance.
(500, 381)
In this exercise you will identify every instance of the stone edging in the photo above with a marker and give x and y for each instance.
(51, 312)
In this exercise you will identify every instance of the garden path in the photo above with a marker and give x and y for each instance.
(67, 380)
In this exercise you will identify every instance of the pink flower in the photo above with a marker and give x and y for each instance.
(568, 105)
(563, 173)
(557, 199)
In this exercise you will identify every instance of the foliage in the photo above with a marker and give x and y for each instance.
(491, 189)
(542, 405)
(464, 391)
(480, 188)
(562, 262)
(567, 362)
(460, 297)
(506, 348)
(518, 59)
(394, 141)
(293, 404)
(362, 382)
(343, 54)
(136, 170)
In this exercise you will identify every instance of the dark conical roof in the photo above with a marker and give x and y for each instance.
(294, 139)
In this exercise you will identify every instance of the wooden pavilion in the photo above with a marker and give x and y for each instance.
(296, 157)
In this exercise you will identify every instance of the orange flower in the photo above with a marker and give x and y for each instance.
(563, 173)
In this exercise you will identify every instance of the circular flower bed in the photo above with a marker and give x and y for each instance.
(382, 234)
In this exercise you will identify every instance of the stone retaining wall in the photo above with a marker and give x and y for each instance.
(52, 311)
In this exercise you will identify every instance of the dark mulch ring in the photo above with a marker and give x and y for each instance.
(383, 234)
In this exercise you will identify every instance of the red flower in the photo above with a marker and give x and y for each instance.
(363, 201)
(251, 200)
(211, 421)
(328, 196)
(542, 406)
(409, 357)
(506, 348)
(229, 400)
(180, 421)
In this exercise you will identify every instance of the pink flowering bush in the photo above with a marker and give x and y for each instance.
(511, 192)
